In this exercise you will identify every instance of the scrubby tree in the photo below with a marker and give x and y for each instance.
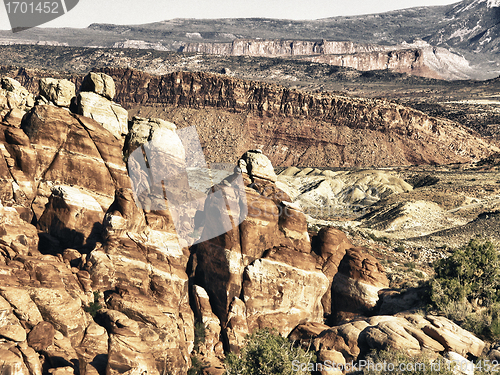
(466, 288)
(471, 273)
(267, 353)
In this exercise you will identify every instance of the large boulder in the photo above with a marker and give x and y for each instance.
(256, 164)
(15, 101)
(406, 332)
(357, 283)
(96, 101)
(58, 91)
(99, 83)
(73, 217)
(142, 130)
(453, 337)
(110, 115)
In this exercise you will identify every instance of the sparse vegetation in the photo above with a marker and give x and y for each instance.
(383, 239)
(197, 366)
(400, 249)
(267, 353)
(410, 265)
(199, 335)
(419, 274)
(466, 288)
(94, 306)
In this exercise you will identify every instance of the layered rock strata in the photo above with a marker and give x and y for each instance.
(294, 127)
(262, 273)
(92, 250)
(418, 58)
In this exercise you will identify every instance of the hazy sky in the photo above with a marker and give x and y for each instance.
(145, 11)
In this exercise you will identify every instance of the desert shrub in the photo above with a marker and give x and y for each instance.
(484, 322)
(199, 335)
(419, 274)
(470, 273)
(95, 306)
(267, 353)
(410, 265)
(466, 288)
(457, 310)
(197, 366)
(383, 239)
(400, 249)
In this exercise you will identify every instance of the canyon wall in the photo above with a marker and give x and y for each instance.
(294, 127)
(274, 48)
(418, 58)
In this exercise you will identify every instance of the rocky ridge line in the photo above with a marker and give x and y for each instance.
(304, 129)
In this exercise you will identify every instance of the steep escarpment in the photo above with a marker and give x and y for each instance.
(294, 127)
(418, 58)
(282, 47)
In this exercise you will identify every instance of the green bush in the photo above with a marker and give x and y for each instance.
(410, 265)
(400, 249)
(95, 306)
(471, 273)
(466, 288)
(267, 353)
(197, 366)
(484, 322)
(199, 335)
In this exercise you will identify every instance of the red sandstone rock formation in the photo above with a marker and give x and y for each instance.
(66, 171)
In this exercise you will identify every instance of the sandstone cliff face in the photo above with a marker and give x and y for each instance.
(296, 128)
(275, 48)
(65, 173)
(97, 241)
(262, 272)
(418, 58)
